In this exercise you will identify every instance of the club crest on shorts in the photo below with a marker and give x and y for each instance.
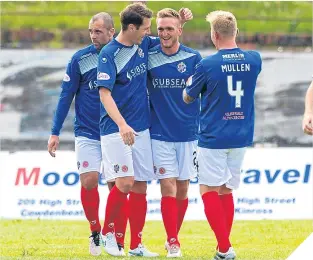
(162, 170)
(85, 164)
(78, 165)
(181, 67)
(124, 168)
(116, 168)
(141, 53)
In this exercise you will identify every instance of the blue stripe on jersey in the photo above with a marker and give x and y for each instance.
(123, 70)
(80, 81)
(171, 119)
(226, 81)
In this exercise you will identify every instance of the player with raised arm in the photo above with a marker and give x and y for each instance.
(226, 81)
(174, 125)
(307, 122)
(80, 82)
(124, 125)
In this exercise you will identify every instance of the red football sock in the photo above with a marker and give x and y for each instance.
(229, 210)
(115, 202)
(90, 201)
(182, 206)
(169, 215)
(215, 215)
(137, 217)
(121, 224)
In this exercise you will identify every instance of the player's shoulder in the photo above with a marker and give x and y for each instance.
(187, 49)
(111, 49)
(155, 50)
(84, 53)
(253, 54)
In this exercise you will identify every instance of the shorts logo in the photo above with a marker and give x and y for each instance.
(104, 60)
(116, 168)
(181, 67)
(93, 222)
(85, 164)
(66, 78)
(141, 53)
(124, 168)
(78, 165)
(103, 76)
(140, 234)
(119, 235)
(172, 240)
(162, 170)
(155, 169)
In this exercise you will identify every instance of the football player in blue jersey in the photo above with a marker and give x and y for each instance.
(307, 123)
(174, 124)
(80, 82)
(124, 124)
(226, 81)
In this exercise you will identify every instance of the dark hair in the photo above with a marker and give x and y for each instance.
(134, 14)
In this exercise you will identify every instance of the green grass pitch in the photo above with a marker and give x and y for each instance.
(44, 239)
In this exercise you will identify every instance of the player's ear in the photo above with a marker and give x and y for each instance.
(112, 32)
(237, 32)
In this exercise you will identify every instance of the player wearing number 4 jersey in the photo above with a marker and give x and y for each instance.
(226, 81)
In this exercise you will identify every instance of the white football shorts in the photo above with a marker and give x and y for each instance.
(88, 155)
(121, 160)
(220, 166)
(174, 159)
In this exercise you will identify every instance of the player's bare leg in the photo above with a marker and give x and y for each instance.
(90, 201)
(137, 218)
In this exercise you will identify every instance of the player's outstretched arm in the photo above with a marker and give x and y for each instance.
(307, 123)
(127, 133)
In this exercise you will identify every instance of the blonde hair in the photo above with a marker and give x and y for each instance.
(168, 12)
(223, 22)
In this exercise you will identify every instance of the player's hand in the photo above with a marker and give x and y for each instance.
(307, 124)
(53, 144)
(185, 15)
(128, 134)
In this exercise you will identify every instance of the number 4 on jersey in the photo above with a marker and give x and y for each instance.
(237, 93)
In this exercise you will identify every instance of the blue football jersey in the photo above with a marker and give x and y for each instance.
(171, 119)
(226, 81)
(80, 82)
(123, 70)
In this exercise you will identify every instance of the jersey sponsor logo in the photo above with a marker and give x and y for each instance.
(103, 76)
(233, 56)
(104, 60)
(168, 83)
(92, 85)
(181, 67)
(66, 78)
(137, 71)
(141, 53)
